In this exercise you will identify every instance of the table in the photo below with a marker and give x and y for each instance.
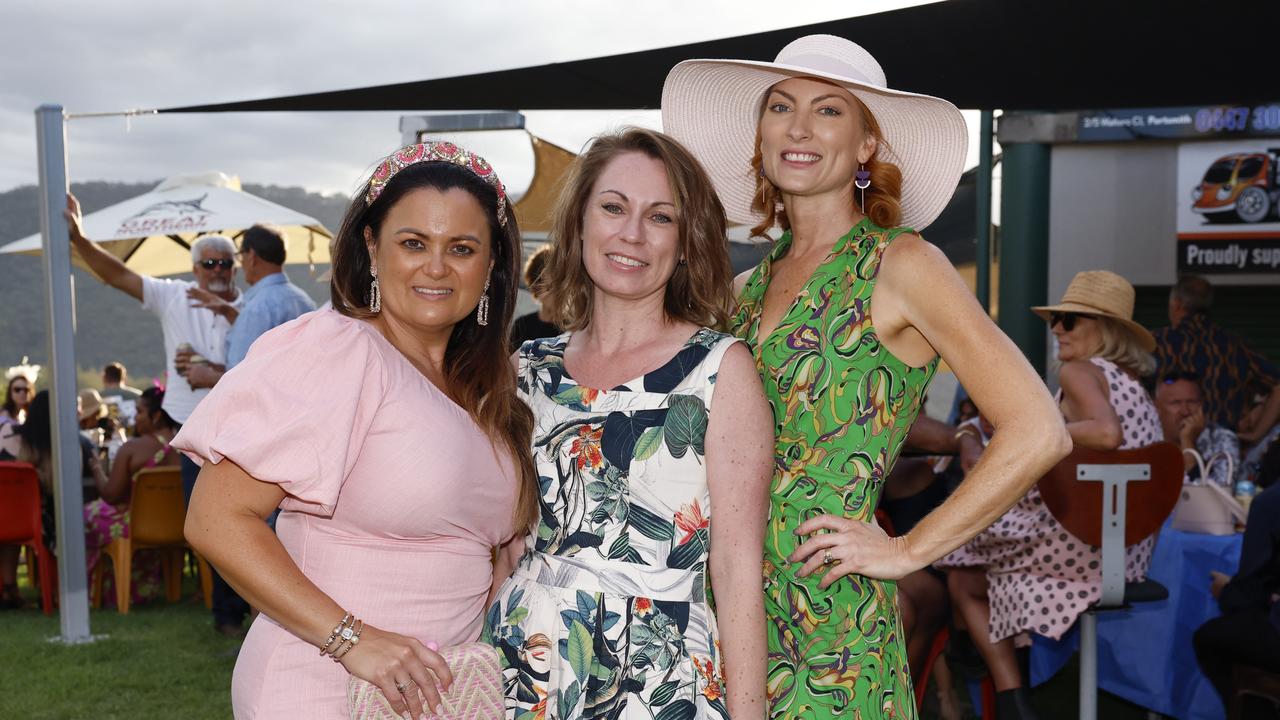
(1144, 653)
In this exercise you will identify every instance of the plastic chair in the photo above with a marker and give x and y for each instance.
(20, 525)
(157, 512)
(1112, 500)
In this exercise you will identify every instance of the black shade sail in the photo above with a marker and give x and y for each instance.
(1007, 54)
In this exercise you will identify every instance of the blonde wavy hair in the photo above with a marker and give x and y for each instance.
(1121, 347)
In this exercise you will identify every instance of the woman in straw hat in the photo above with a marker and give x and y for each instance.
(1026, 573)
(817, 143)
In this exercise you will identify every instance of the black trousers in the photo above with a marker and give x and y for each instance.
(1246, 637)
(228, 607)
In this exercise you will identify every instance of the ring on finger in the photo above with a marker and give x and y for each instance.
(827, 559)
(403, 687)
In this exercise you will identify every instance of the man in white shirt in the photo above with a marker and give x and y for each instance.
(183, 321)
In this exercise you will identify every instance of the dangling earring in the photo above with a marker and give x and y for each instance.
(375, 294)
(482, 310)
(862, 181)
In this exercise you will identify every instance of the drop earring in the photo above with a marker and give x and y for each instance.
(482, 310)
(862, 181)
(375, 294)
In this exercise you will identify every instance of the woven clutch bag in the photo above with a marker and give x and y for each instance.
(476, 693)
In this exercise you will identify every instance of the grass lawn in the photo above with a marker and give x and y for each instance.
(165, 661)
(159, 661)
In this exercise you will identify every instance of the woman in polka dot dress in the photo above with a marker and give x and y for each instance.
(1026, 573)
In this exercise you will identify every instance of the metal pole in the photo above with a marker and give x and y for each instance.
(1088, 666)
(73, 595)
(986, 130)
(1024, 246)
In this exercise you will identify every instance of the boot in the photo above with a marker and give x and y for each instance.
(1014, 704)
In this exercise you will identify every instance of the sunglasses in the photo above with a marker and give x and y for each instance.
(1173, 377)
(1068, 319)
(211, 264)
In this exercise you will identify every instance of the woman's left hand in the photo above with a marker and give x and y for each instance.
(854, 548)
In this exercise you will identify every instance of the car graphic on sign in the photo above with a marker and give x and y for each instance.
(1241, 187)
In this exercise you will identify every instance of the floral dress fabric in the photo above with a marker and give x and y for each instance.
(842, 405)
(1042, 577)
(607, 614)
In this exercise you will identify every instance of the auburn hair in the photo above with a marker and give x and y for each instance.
(478, 374)
(883, 197)
(701, 289)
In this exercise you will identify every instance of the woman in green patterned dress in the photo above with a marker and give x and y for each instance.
(817, 144)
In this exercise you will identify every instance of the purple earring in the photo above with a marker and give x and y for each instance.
(862, 181)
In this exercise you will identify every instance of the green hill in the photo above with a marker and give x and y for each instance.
(110, 326)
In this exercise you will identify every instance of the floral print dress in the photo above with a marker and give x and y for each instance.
(842, 405)
(607, 614)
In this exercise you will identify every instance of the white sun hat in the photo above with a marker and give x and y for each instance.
(713, 108)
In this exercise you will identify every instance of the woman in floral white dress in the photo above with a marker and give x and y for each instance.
(645, 419)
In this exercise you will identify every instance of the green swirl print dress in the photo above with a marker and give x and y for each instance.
(842, 405)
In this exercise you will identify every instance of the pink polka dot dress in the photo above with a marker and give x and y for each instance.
(1041, 576)
(394, 498)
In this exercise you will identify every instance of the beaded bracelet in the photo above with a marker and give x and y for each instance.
(337, 630)
(352, 637)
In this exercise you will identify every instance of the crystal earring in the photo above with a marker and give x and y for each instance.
(862, 181)
(482, 310)
(375, 294)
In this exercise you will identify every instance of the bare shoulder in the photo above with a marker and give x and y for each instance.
(909, 254)
(738, 364)
(740, 281)
(1076, 375)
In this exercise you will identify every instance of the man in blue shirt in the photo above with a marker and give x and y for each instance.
(270, 301)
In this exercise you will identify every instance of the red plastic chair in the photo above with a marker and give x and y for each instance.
(20, 523)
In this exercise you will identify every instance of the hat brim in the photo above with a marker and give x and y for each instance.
(713, 108)
(1145, 338)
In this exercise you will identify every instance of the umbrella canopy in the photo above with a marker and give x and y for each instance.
(152, 233)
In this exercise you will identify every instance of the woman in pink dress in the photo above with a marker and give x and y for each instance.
(1026, 573)
(389, 432)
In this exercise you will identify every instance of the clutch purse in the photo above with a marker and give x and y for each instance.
(476, 692)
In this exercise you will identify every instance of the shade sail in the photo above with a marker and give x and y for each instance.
(152, 233)
(1010, 54)
(550, 162)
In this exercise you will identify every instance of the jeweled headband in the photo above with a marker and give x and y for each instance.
(436, 151)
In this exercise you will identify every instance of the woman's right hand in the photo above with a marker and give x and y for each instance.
(393, 661)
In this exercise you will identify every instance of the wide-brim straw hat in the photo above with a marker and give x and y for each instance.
(713, 108)
(91, 405)
(1101, 293)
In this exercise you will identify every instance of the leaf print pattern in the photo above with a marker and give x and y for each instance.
(842, 406)
(607, 614)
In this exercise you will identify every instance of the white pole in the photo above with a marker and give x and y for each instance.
(73, 595)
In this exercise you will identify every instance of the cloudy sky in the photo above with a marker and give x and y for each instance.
(96, 56)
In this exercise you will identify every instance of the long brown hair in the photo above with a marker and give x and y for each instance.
(478, 375)
(883, 198)
(700, 291)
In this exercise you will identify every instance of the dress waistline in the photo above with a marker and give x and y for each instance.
(612, 578)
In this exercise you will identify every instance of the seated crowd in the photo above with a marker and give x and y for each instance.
(1120, 386)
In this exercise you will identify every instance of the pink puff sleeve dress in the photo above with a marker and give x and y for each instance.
(394, 497)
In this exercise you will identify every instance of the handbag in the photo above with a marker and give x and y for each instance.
(476, 692)
(1207, 508)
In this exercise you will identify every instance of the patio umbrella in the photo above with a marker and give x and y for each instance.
(152, 233)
